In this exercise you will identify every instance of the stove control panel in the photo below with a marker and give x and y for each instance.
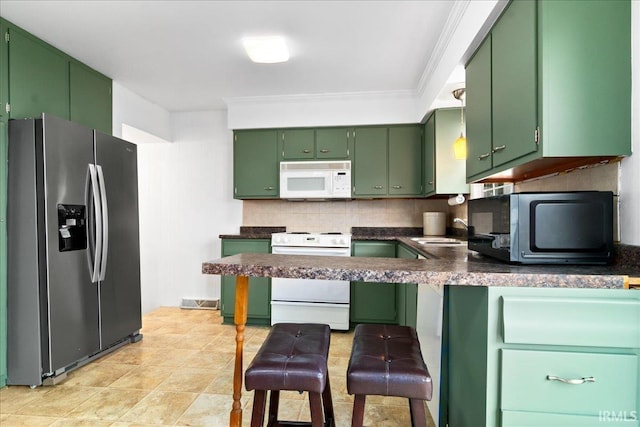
(311, 240)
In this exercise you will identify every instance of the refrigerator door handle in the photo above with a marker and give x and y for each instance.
(105, 224)
(95, 229)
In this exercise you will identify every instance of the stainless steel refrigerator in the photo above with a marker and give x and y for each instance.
(73, 248)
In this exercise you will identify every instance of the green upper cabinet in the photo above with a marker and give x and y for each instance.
(90, 97)
(370, 169)
(38, 77)
(4, 71)
(405, 160)
(429, 152)
(255, 164)
(332, 143)
(478, 109)
(298, 144)
(560, 88)
(513, 83)
(444, 174)
(314, 144)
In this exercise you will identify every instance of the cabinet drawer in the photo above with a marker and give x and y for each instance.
(595, 322)
(525, 385)
(604, 419)
(237, 246)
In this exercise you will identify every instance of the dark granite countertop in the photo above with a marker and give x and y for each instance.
(443, 266)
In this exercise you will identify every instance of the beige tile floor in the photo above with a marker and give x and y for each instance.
(180, 374)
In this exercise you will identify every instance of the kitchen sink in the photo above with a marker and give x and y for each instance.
(438, 241)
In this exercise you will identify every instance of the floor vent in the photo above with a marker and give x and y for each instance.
(200, 304)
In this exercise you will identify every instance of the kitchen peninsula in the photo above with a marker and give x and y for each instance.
(496, 316)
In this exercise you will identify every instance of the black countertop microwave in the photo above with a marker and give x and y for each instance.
(544, 228)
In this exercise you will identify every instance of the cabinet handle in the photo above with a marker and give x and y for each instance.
(577, 381)
(306, 151)
(324, 150)
(499, 148)
(268, 188)
(483, 156)
(430, 182)
(397, 187)
(378, 187)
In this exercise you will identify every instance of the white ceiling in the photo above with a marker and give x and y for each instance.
(187, 55)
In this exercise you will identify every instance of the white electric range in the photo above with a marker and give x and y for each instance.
(308, 300)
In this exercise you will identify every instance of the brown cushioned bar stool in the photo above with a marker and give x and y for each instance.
(293, 357)
(386, 360)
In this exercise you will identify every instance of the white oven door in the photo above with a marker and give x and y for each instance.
(307, 290)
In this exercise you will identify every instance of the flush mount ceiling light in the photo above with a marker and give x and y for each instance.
(266, 50)
(460, 144)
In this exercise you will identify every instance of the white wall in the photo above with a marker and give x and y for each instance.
(630, 171)
(198, 205)
(185, 195)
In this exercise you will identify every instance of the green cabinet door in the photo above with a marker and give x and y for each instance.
(259, 309)
(297, 144)
(429, 160)
(407, 294)
(514, 82)
(332, 143)
(38, 78)
(255, 164)
(370, 161)
(584, 50)
(4, 71)
(478, 109)
(373, 302)
(3, 250)
(405, 160)
(90, 97)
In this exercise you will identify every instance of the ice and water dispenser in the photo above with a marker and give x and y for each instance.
(72, 228)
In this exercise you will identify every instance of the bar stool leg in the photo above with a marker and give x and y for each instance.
(315, 404)
(357, 417)
(257, 415)
(274, 404)
(418, 415)
(327, 403)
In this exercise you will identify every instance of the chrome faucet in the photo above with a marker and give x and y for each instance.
(461, 221)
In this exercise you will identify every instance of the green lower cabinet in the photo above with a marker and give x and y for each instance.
(373, 302)
(407, 294)
(540, 356)
(259, 309)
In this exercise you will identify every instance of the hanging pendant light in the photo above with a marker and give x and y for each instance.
(460, 144)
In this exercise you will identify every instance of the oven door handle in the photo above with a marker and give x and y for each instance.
(298, 250)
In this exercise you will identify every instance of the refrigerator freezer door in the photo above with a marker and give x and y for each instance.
(120, 289)
(71, 312)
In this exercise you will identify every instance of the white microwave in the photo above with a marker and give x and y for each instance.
(315, 180)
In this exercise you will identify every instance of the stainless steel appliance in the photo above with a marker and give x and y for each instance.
(73, 249)
(315, 180)
(544, 228)
(305, 300)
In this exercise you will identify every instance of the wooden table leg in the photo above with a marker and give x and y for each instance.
(240, 319)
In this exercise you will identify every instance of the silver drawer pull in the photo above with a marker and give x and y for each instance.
(306, 151)
(324, 150)
(268, 188)
(574, 381)
(378, 187)
(499, 148)
(483, 156)
(397, 187)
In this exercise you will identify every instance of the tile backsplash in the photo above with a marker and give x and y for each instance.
(341, 215)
